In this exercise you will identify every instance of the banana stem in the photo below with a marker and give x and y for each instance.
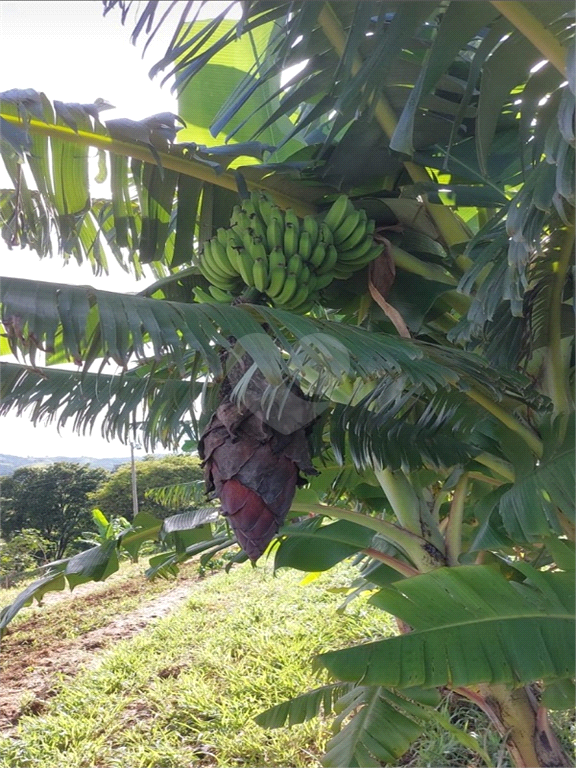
(410, 509)
(453, 231)
(402, 498)
(423, 555)
(508, 420)
(485, 479)
(533, 29)
(410, 263)
(183, 165)
(393, 562)
(496, 464)
(454, 527)
(555, 369)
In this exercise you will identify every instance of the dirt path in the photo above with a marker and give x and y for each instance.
(28, 673)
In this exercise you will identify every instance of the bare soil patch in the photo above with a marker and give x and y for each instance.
(29, 667)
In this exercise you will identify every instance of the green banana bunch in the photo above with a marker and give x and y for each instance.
(352, 239)
(287, 259)
(218, 272)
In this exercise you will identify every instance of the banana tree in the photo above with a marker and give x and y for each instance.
(431, 386)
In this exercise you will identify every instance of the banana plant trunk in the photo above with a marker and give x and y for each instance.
(524, 725)
(514, 712)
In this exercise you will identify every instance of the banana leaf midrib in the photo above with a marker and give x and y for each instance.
(174, 162)
(486, 620)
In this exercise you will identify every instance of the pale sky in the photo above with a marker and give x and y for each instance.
(72, 53)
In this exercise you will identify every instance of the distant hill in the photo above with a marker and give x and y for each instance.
(9, 464)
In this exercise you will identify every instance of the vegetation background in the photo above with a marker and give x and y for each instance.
(445, 368)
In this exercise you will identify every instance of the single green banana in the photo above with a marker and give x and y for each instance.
(318, 255)
(268, 210)
(260, 201)
(209, 260)
(342, 274)
(305, 245)
(276, 283)
(363, 260)
(300, 296)
(356, 253)
(290, 239)
(337, 212)
(288, 291)
(247, 268)
(310, 225)
(325, 235)
(244, 263)
(242, 224)
(237, 212)
(274, 234)
(233, 237)
(222, 297)
(304, 275)
(306, 306)
(323, 280)
(277, 258)
(290, 217)
(260, 274)
(201, 297)
(222, 236)
(246, 235)
(257, 226)
(357, 236)
(257, 248)
(232, 251)
(329, 262)
(346, 228)
(294, 265)
(226, 284)
(220, 256)
(249, 207)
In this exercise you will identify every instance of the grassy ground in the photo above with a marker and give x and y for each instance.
(86, 608)
(184, 692)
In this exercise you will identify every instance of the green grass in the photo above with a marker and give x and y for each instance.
(185, 691)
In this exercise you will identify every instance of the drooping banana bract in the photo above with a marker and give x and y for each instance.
(287, 259)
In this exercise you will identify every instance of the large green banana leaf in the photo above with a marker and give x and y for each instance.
(384, 727)
(454, 85)
(159, 190)
(470, 625)
(82, 324)
(199, 101)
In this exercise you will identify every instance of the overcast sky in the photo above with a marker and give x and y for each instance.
(72, 53)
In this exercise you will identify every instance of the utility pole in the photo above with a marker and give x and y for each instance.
(134, 484)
